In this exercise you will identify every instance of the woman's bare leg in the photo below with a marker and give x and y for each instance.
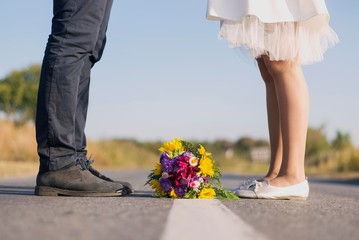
(293, 101)
(275, 138)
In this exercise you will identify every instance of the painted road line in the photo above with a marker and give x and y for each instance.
(194, 219)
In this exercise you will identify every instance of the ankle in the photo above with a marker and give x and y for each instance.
(271, 175)
(289, 179)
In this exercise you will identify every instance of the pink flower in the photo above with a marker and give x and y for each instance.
(182, 165)
(165, 175)
(194, 184)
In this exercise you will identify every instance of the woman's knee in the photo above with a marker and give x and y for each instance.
(278, 68)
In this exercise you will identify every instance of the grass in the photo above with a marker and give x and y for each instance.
(17, 169)
(17, 143)
(18, 156)
(123, 154)
(238, 165)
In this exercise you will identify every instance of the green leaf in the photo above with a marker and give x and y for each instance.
(225, 194)
(190, 195)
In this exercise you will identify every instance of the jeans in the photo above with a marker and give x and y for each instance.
(76, 43)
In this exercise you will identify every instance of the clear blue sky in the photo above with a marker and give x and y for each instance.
(165, 73)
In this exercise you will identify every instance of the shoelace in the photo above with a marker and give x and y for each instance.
(248, 184)
(84, 164)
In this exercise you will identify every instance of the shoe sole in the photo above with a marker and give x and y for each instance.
(51, 191)
(128, 190)
(291, 198)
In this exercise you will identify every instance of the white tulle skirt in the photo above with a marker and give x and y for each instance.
(285, 30)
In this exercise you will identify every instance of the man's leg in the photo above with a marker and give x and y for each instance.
(81, 112)
(63, 84)
(83, 93)
(75, 29)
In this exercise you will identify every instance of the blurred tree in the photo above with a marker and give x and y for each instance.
(18, 94)
(261, 143)
(316, 141)
(342, 141)
(244, 144)
(317, 146)
(353, 164)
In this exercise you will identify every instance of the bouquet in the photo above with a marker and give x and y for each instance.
(187, 171)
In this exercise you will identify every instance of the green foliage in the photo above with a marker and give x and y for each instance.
(189, 147)
(316, 141)
(330, 157)
(244, 144)
(18, 94)
(342, 141)
(353, 164)
(225, 194)
(121, 153)
(190, 195)
(317, 146)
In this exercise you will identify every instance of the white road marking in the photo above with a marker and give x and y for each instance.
(206, 219)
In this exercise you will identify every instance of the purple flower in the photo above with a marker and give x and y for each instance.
(175, 169)
(180, 191)
(166, 162)
(167, 167)
(166, 185)
(206, 179)
(164, 158)
(175, 160)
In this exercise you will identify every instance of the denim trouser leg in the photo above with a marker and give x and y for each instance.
(83, 93)
(78, 29)
(81, 111)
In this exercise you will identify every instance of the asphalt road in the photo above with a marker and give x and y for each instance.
(331, 212)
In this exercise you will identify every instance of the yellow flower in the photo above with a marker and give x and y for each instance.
(207, 193)
(203, 152)
(173, 194)
(206, 167)
(158, 169)
(155, 184)
(171, 146)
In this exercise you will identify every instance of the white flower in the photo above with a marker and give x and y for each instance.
(193, 161)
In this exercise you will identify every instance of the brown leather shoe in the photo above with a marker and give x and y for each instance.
(77, 181)
(87, 164)
(127, 186)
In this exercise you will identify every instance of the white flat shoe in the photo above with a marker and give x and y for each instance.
(247, 184)
(245, 188)
(263, 190)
